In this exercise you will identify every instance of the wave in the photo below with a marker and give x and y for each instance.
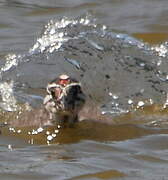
(106, 62)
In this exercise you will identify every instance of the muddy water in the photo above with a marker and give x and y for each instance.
(119, 51)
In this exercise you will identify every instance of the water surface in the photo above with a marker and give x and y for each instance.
(118, 50)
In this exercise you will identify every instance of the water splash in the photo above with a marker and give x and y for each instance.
(161, 50)
(55, 34)
(9, 102)
(11, 60)
(131, 40)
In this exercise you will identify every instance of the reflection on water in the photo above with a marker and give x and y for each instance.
(123, 76)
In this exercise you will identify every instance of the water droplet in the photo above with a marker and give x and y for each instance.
(47, 132)
(54, 135)
(103, 112)
(104, 27)
(40, 129)
(115, 96)
(49, 137)
(110, 93)
(19, 131)
(34, 132)
(56, 131)
(151, 101)
(141, 103)
(10, 147)
(130, 101)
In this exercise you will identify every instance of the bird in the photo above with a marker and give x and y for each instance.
(64, 99)
(64, 103)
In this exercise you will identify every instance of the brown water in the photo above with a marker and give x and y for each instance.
(119, 74)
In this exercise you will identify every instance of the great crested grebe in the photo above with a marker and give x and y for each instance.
(64, 99)
(64, 103)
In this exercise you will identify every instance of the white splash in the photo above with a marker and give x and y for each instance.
(9, 102)
(54, 36)
(50, 41)
(161, 50)
(11, 61)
